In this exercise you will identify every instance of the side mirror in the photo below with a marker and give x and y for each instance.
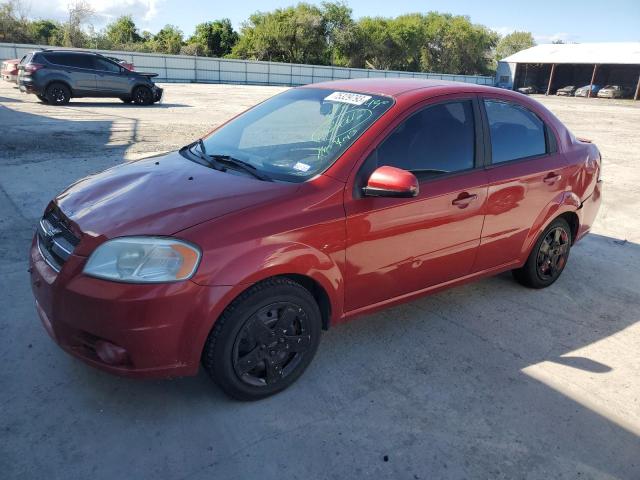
(389, 181)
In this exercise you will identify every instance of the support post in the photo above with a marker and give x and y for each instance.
(593, 78)
(553, 70)
(635, 97)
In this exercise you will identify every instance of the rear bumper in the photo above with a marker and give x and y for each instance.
(589, 210)
(161, 327)
(7, 77)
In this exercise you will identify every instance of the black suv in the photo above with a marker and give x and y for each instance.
(56, 76)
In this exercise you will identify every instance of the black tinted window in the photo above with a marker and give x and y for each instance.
(515, 132)
(438, 139)
(105, 65)
(70, 59)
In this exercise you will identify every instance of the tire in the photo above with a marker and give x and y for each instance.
(250, 353)
(548, 257)
(58, 94)
(126, 99)
(42, 98)
(142, 95)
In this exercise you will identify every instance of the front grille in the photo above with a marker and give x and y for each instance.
(56, 241)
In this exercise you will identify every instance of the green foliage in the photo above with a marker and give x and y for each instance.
(168, 40)
(324, 34)
(122, 31)
(213, 39)
(45, 32)
(514, 42)
(293, 34)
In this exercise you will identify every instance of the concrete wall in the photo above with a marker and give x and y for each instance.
(182, 68)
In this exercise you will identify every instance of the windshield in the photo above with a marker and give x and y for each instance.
(299, 133)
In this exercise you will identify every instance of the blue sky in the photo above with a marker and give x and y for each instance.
(569, 20)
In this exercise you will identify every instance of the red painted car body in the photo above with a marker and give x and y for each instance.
(357, 254)
(9, 71)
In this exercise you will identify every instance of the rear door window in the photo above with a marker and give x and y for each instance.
(70, 59)
(516, 132)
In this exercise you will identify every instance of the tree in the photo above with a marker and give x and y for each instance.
(514, 42)
(80, 13)
(45, 32)
(13, 22)
(215, 39)
(293, 34)
(122, 31)
(168, 40)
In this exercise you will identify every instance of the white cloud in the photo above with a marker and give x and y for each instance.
(563, 36)
(105, 10)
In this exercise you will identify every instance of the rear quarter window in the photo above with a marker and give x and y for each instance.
(516, 132)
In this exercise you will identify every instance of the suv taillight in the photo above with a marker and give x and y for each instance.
(33, 67)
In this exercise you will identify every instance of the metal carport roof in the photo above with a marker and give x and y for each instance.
(627, 53)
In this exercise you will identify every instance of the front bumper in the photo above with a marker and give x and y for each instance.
(157, 94)
(162, 327)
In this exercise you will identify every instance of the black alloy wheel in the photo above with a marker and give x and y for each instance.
(58, 94)
(271, 344)
(553, 253)
(264, 340)
(548, 257)
(142, 96)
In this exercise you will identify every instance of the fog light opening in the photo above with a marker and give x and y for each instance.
(110, 353)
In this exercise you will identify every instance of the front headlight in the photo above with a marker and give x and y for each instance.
(143, 260)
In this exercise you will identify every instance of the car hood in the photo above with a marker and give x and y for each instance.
(158, 196)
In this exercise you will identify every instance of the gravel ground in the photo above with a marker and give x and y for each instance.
(489, 380)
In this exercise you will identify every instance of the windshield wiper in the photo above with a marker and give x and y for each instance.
(202, 154)
(246, 166)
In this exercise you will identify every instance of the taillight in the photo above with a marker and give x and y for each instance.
(33, 67)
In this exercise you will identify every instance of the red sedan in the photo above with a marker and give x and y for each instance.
(9, 70)
(322, 203)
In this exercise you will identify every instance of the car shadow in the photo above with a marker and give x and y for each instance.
(118, 104)
(450, 372)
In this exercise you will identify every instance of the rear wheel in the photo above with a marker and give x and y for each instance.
(58, 94)
(548, 257)
(142, 96)
(264, 340)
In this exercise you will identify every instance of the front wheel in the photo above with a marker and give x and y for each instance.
(548, 257)
(142, 96)
(264, 340)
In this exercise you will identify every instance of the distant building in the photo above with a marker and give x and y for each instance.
(549, 67)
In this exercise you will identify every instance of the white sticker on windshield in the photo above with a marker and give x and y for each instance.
(301, 167)
(347, 97)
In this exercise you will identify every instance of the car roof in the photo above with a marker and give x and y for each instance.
(397, 86)
(63, 50)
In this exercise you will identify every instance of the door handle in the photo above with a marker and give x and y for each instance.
(551, 178)
(463, 200)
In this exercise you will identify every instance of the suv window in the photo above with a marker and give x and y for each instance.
(105, 65)
(516, 132)
(69, 59)
(439, 139)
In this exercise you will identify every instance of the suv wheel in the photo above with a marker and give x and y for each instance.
(142, 96)
(42, 98)
(58, 94)
(548, 257)
(264, 340)
(126, 99)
